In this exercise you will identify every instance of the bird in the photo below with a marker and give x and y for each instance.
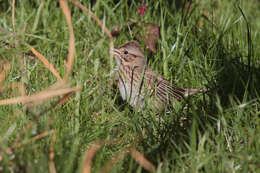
(140, 85)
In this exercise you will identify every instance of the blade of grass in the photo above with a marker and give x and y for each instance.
(101, 25)
(42, 135)
(13, 15)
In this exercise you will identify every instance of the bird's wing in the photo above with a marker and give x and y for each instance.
(162, 88)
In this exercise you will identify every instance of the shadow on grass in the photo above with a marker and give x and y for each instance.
(237, 79)
(234, 79)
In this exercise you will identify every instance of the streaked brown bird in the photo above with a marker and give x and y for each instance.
(140, 85)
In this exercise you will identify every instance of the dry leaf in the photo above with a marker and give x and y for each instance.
(152, 34)
(116, 31)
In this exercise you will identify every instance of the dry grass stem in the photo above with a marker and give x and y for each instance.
(142, 160)
(101, 25)
(108, 166)
(64, 99)
(47, 64)
(89, 157)
(70, 58)
(43, 95)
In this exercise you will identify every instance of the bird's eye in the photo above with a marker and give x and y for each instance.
(125, 52)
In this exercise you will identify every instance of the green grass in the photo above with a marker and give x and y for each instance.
(218, 131)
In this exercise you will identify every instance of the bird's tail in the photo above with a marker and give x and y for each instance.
(191, 91)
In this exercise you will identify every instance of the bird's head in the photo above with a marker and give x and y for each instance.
(130, 54)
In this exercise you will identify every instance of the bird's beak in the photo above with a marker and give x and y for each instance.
(116, 52)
